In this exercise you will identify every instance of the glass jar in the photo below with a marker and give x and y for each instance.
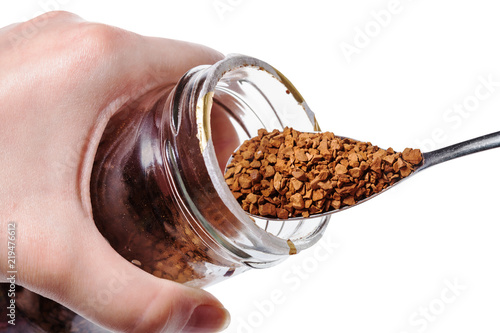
(158, 193)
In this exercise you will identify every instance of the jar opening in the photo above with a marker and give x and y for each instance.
(240, 96)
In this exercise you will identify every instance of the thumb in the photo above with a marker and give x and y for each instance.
(115, 294)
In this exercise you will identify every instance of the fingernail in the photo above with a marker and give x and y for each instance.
(207, 318)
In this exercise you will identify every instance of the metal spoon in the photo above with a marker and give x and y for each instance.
(431, 158)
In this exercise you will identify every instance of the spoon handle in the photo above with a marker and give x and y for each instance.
(471, 146)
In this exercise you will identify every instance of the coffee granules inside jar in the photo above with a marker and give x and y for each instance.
(293, 174)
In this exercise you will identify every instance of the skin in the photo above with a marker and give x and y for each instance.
(60, 84)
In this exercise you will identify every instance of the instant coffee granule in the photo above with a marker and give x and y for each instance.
(293, 174)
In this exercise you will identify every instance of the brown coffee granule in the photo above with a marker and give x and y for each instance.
(293, 174)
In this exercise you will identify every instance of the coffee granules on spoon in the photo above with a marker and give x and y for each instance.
(293, 174)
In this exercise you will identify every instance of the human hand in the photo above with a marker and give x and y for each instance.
(58, 89)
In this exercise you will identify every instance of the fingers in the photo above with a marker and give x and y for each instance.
(113, 293)
(177, 57)
(161, 62)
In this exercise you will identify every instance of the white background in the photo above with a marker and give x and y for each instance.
(391, 256)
